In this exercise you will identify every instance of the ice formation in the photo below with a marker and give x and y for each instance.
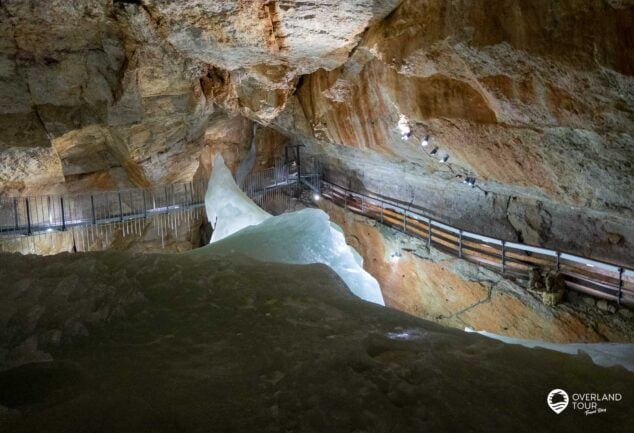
(603, 354)
(228, 208)
(302, 237)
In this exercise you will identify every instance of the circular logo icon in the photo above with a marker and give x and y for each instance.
(557, 400)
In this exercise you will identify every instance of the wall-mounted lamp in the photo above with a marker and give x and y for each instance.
(425, 141)
(434, 151)
(470, 181)
(444, 158)
(404, 128)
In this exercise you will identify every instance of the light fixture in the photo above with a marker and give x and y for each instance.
(316, 197)
(49, 230)
(404, 128)
(434, 151)
(470, 181)
(444, 158)
(425, 141)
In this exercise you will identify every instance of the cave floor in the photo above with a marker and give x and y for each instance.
(122, 342)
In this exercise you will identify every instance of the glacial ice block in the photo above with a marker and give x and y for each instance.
(228, 208)
(303, 237)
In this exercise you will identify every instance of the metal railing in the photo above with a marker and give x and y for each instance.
(277, 189)
(95, 219)
(44, 214)
(589, 276)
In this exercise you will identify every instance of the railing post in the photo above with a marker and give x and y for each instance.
(132, 206)
(345, 199)
(620, 285)
(382, 206)
(558, 261)
(92, 205)
(120, 207)
(28, 216)
(15, 213)
(144, 205)
(61, 204)
(404, 220)
(429, 232)
(299, 168)
(460, 243)
(503, 255)
(48, 210)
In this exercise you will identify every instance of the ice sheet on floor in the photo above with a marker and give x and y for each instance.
(604, 354)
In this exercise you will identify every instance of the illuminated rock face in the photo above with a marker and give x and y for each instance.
(119, 93)
(94, 85)
(233, 34)
(513, 96)
(533, 100)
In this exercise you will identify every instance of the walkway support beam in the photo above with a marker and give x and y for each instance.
(404, 221)
(460, 243)
(15, 213)
(620, 286)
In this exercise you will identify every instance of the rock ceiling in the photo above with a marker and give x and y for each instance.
(535, 100)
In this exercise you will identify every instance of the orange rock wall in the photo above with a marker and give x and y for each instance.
(456, 293)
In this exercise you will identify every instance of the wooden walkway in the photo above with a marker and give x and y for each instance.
(588, 276)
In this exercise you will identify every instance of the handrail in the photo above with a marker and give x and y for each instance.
(40, 214)
(594, 277)
(399, 204)
(29, 215)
